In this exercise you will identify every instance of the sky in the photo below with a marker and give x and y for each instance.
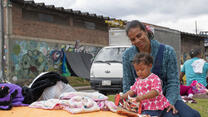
(182, 15)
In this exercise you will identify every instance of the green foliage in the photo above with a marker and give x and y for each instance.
(77, 81)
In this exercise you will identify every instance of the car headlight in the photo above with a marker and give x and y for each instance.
(92, 74)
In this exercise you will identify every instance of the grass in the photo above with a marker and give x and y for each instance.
(201, 106)
(111, 97)
(77, 81)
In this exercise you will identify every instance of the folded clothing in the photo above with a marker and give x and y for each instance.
(10, 95)
(39, 84)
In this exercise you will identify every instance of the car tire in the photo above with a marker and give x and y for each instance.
(103, 92)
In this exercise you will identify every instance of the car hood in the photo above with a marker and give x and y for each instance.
(107, 70)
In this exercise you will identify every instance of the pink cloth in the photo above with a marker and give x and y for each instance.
(185, 90)
(198, 87)
(143, 86)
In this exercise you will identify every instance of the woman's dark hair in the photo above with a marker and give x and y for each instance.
(143, 57)
(135, 24)
(195, 52)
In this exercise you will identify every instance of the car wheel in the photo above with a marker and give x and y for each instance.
(103, 92)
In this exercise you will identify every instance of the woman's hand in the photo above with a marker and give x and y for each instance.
(172, 107)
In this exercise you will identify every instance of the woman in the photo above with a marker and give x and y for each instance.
(195, 68)
(164, 65)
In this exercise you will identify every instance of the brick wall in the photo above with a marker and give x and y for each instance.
(35, 29)
(188, 43)
(40, 29)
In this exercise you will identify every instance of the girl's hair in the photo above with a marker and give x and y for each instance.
(143, 57)
(135, 24)
(195, 52)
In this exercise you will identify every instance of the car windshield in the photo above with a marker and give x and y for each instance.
(110, 55)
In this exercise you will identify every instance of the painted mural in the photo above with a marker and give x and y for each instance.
(30, 58)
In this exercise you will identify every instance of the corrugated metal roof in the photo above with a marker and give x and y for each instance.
(192, 34)
(76, 12)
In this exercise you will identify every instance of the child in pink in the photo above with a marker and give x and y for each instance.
(147, 87)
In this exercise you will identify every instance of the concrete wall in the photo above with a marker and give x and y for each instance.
(28, 58)
(190, 42)
(118, 37)
(170, 37)
(1, 37)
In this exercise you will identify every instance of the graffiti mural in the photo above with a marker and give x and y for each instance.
(30, 58)
(32, 63)
(82, 48)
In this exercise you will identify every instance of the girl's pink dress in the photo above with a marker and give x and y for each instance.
(143, 86)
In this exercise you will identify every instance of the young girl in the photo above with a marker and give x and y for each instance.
(147, 87)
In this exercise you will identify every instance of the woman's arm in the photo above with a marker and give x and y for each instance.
(172, 77)
(127, 76)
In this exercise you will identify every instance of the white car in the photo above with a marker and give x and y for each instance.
(107, 70)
